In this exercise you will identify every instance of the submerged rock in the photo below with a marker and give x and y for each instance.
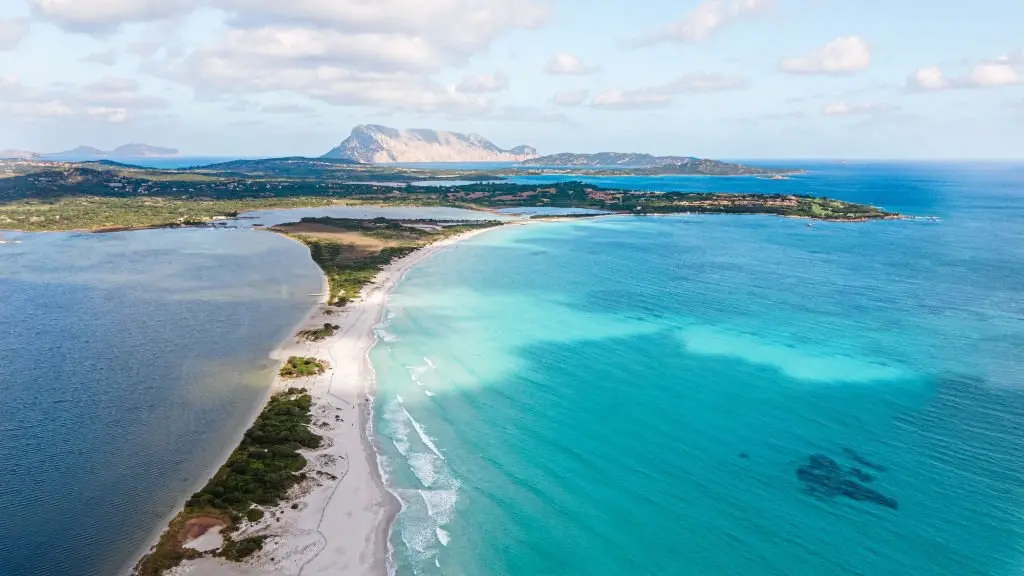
(859, 459)
(823, 477)
(861, 475)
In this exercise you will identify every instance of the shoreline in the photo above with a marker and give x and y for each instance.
(274, 387)
(341, 517)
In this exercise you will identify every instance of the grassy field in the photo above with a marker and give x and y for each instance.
(95, 213)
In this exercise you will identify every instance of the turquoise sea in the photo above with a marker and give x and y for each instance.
(719, 395)
(613, 396)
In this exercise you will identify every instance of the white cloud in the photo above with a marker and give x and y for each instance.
(843, 108)
(101, 16)
(662, 95)
(12, 31)
(567, 65)
(312, 47)
(382, 53)
(113, 100)
(469, 23)
(991, 74)
(570, 98)
(483, 83)
(1006, 70)
(929, 78)
(342, 86)
(841, 56)
(705, 20)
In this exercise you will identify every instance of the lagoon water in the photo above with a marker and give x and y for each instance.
(129, 364)
(636, 395)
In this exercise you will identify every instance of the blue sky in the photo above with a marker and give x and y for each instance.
(714, 78)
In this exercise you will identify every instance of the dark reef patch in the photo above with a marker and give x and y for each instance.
(859, 459)
(823, 477)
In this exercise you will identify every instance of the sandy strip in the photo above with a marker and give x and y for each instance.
(339, 519)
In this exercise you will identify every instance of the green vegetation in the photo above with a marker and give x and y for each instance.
(254, 514)
(37, 195)
(299, 367)
(238, 550)
(169, 551)
(318, 334)
(260, 472)
(267, 462)
(98, 213)
(347, 277)
(352, 251)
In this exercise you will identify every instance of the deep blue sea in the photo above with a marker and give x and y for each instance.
(719, 395)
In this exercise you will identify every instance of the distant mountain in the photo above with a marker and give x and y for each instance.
(17, 155)
(125, 151)
(79, 152)
(371, 143)
(648, 164)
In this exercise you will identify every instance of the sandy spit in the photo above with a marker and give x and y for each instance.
(337, 521)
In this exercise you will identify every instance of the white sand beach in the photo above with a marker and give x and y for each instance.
(339, 519)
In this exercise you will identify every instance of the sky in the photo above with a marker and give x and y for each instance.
(904, 79)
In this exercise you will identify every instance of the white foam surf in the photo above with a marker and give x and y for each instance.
(427, 440)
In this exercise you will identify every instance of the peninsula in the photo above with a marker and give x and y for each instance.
(44, 195)
(302, 492)
(618, 163)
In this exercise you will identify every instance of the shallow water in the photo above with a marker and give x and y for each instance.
(637, 395)
(129, 364)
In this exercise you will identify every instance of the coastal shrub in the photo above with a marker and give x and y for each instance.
(300, 367)
(319, 334)
(237, 550)
(345, 276)
(267, 463)
(254, 515)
